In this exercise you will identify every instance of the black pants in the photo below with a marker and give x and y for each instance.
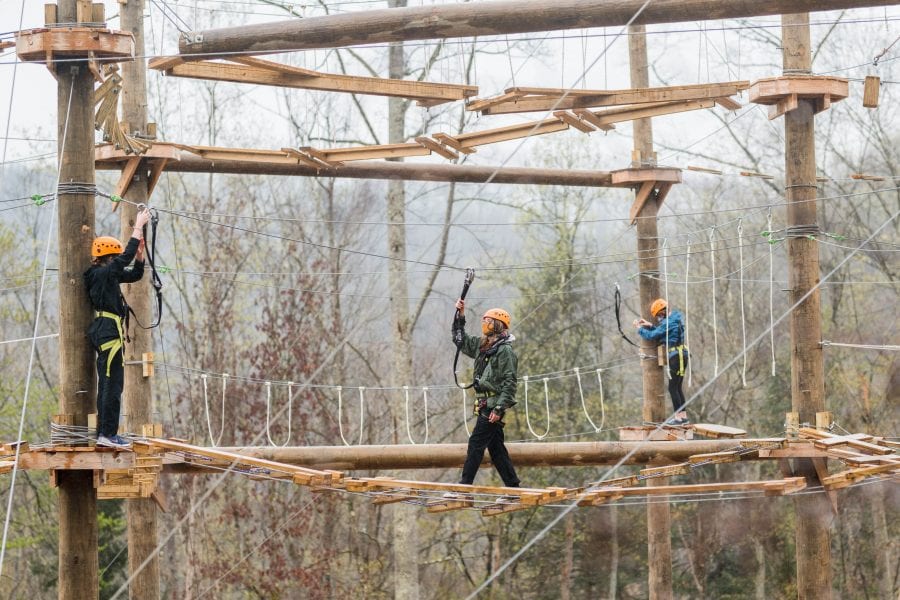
(109, 392)
(488, 435)
(677, 371)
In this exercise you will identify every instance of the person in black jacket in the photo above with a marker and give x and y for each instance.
(109, 268)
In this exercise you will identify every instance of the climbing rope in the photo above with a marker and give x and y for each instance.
(687, 304)
(740, 232)
(213, 439)
(289, 409)
(618, 305)
(547, 403)
(361, 415)
(862, 346)
(425, 401)
(712, 258)
(584, 406)
(665, 275)
(771, 291)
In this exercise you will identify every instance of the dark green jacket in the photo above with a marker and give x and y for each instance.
(495, 370)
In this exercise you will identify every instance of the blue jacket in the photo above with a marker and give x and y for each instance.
(674, 324)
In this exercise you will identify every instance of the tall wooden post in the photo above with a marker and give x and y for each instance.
(140, 512)
(77, 379)
(807, 364)
(659, 545)
(406, 551)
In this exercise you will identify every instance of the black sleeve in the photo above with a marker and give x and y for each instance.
(118, 264)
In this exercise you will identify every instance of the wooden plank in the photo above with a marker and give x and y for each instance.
(667, 471)
(650, 110)
(574, 121)
(304, 475)
(728, 103)
(366, 484)
(453, 143)
(718, 457)
(790, 483)
(871, 89)
(512, 132)
(437, 147)
(715, 431)
(292, 77)
(371, 152)
(476, 105)
(851, 475)
(560, 99)
(591, 118)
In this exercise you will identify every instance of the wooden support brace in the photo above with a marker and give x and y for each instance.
(125, 178)
(786, 104)
(643, 196)
(728, 103)
(821, 466)
(156, 170)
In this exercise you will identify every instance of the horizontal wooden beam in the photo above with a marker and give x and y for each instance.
(260, 72)
(470, 19)
(281, 164)
(519, 100)
(433, 456)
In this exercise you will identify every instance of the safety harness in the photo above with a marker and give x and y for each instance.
(114, 345)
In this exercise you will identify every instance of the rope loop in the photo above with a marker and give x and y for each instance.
(340, 411)
(583, 405)
(268, 409)
(740, 232)
(425, 402)
(687, 303)
(771, 294)
(547, 402)
(214, 440)
(465, 402)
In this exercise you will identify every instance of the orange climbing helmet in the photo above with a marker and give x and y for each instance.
(498, 314)
(104, 245)
(658, 306)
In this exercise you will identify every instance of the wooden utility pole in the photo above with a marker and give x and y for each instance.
(814, 512)
(659, 544)
(138, 400)
(473, 19)
(406, 551)
(77, 380)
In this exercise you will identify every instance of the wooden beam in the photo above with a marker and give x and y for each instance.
(518, 100)
(428, 456)
(275, 162)
(449, 21)
(261, 72)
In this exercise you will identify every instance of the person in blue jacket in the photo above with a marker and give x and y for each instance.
(669, 331)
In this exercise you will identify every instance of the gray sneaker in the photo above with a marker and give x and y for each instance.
(113, 442)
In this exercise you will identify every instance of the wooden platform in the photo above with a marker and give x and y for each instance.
(782, 93)
(45, 44)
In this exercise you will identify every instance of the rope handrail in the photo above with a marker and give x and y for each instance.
(361, 415)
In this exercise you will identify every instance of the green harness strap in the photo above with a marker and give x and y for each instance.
(680, 350)
(112, 345)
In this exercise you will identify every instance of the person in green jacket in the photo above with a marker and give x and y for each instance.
(495, 389)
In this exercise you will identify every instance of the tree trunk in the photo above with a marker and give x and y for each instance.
(406, 555)
(565, 576)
